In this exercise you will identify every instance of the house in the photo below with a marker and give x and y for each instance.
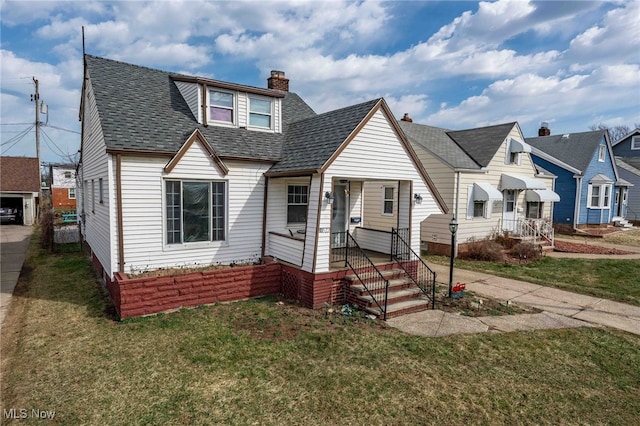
(63, 186)
(488, 181)
(587, 178)
(19, 187)
(627, 157)
(180, 172)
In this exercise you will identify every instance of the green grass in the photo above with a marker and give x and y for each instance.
(607, 278)
(260, 362)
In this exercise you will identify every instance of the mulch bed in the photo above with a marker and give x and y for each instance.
(567, 247)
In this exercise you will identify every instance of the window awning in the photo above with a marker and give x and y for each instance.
(541, 195)
(483, 191)
(622, 182)
(519, 146)
(515, 181)
(600, 179)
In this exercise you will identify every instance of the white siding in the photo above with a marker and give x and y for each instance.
(373, 216)
(374, 153)
(59, 180)
(368, 239)
(143, 212)
(191, 93)
(355, 201)
(316, 197)
(287, 249)
(98, 228)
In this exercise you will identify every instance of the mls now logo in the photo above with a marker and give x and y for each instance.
(23, 413)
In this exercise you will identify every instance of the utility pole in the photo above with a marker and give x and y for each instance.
(36, 99)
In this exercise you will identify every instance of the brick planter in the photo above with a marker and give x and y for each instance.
(149, 295)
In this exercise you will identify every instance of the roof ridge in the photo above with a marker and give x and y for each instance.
(333, 111)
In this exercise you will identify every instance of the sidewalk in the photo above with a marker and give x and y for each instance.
(561, 309)
(14, 242)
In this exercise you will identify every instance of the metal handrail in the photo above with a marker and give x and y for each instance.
(414, 266)
(367, 273)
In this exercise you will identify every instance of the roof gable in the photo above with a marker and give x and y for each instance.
(197, 137)
(19, 174)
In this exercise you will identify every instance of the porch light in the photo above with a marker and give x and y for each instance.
(329, 197)
(417, 198)
(453, 228)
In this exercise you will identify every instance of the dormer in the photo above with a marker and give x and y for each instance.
(218, 103)
(515, 148)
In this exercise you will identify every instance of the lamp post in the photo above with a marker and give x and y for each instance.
(453, 228)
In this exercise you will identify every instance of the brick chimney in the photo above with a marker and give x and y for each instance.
(407, 118)
(544, 129)
(278, 81)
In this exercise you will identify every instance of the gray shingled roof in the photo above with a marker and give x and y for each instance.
(575, 149)
(465, 149)
(311, 142)
(142, 109)
(631, 164)
(436, 141)
(482, 143)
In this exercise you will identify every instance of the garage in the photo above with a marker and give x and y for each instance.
(19, 189)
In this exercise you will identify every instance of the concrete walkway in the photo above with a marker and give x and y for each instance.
(561, 309)
(14, 242)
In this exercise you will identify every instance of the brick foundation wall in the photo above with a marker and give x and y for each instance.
(150, 295)
(439, 249)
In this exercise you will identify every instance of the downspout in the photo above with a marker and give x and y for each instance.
(576, 209)
(264, 216)
(119, 211)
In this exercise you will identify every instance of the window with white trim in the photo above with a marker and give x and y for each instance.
(297, 204)
(601, 153)
(221, 106)
(635, 142)
(67, 175)
(387, 200)
(514, 158)
(100, 191)
(72, 193)
(260, 111)
(196, 211)
(599, 196)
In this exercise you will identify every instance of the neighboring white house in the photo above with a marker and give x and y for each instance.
(181, 171)
(487, 180)
(63, 186)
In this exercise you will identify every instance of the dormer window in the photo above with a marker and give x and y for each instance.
(221, 106)
(260, 111)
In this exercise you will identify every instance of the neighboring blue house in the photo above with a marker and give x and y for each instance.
(588, 183)
(627, 152)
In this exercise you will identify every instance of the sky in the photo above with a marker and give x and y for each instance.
(455, 65)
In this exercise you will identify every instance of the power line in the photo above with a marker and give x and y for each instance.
(60, 128)
(16, 138)
(14, 124)
(62, 153)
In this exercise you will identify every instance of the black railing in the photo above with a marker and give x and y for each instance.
(368, 275)
(421, 275)
(338, 246)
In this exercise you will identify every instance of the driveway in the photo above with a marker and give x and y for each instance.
(14, 242)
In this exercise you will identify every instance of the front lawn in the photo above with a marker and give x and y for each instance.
(607, 278)
(264, 362)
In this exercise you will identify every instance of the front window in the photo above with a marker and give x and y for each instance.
(478, 208)
(221, 106)
(195, 211)
(510, 201)
(534, 210)
(387, 201)
(260, 112)
(297, 204)
(599, 196)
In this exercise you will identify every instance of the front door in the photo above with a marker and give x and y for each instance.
(509, 210)
(621, 200)
(339, 215)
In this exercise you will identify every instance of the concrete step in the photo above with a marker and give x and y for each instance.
(387, 274)
(402, 308)
(394, 285)
(396, 296)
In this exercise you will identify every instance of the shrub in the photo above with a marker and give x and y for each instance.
(504, 239)
(485, 250)
(525, 251)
